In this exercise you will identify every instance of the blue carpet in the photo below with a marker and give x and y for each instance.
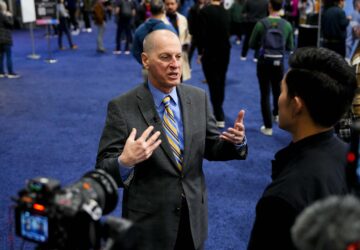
(52, 117)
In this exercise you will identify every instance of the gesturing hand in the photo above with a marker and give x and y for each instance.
(236, 134)
(138, 150)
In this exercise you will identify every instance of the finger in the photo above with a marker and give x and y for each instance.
(238, 128)
(146, 133)
(227, 138)
(154, 146)
(235, 139)
(240, 117)
(132, 134)
(229, 135)
(153, 138)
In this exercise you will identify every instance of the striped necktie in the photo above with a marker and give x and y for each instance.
(170, 126)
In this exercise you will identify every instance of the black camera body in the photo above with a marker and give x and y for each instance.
(68, 218)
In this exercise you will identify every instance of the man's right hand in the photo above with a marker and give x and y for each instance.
(136, 151)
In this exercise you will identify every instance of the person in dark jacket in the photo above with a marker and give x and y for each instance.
(6, 42)
(194, 26)
(334, 25)
(253, 11)
(313, 165)
(214, 52)
(125, 11)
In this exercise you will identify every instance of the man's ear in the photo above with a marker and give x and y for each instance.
(298, 105)
(145, 60)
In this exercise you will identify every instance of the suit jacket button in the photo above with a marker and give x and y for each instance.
(177, 210)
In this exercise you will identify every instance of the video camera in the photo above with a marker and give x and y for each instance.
(69, 218)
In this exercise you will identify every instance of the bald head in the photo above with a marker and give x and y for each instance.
(162, 57)
(158, 37)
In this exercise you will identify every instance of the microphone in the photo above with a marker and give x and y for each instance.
(155, 120)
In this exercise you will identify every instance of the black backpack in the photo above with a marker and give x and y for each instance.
(273, 40)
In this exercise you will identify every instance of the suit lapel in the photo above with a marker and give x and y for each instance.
(148, 111)
(187, 120)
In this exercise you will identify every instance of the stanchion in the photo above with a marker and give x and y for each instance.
(33, 55)
(50, 58)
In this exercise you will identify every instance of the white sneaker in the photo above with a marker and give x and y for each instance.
(220, 124)
(13, 76)
(88, 30)
(75, 32)
(266, 131)
(117, 52)
(238, 42)
(255, 60)
(2, 75)
(127, 52)
(276, 118)
(242, 58)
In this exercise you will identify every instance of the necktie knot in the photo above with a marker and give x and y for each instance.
(166, 101)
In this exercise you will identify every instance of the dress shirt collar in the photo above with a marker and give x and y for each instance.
(159, 96)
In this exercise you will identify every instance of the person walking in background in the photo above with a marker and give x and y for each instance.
(100, 21)
(72, 7)
(353, 31)
(316, 91)
(237, 19)
(180, 24)
(333, 26)
(194, 26)
(214, 47)
(6, 41)
(63, 26)
(86, 10)
(143, 12)
(153, 144)
(125, 11)
(254, 10)
(272, 36)
(291, 9)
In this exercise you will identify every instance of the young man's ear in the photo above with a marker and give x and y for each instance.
(145, 60)
(298, 105)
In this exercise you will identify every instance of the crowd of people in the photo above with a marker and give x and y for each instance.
(156, 135)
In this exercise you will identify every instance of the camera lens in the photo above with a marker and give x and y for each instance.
(105, 188)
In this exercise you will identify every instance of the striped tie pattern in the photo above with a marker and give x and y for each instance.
(169, 124)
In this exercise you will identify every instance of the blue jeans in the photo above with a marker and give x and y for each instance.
(5, 50)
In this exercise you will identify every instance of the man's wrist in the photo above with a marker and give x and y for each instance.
(123, 164)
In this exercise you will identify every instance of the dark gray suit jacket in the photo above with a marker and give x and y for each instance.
(153, 197)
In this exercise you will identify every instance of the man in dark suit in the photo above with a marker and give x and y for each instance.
(165, 192)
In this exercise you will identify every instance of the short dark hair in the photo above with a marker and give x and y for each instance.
(324, 81)
(276, 4)
(156, 7)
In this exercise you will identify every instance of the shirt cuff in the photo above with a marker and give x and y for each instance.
(125, 171)
(242, 144)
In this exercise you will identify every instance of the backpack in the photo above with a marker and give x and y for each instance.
(273, 41)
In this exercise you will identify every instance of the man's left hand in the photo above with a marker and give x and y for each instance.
(236, 134)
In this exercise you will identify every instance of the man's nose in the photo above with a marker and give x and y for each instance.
(175, 62)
